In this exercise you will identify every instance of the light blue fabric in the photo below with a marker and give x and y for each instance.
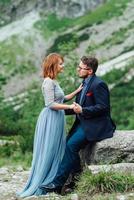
(49, 141)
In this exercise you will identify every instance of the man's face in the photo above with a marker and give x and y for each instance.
(83, 70)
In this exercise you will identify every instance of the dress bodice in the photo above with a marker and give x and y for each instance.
(52, 92)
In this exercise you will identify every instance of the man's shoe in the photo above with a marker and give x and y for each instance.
(70, 185)
(68, 188)
(51, 187)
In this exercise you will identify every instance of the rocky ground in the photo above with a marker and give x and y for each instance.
(13, 180)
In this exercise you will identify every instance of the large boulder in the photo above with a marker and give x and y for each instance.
(119, 148)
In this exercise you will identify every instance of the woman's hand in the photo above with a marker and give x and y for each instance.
(73, 94)
(79, 88)
(77, 108)
(71, 106)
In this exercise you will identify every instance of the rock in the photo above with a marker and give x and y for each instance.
(18, 179)
(119, 148)
(8, 142)
(11, 181)
(51, 196)
(74, 197)
(120, 167)
(125, 196)
(20, 169)
(64, 8)
(75, 8)
(3, 170)
(121, 197)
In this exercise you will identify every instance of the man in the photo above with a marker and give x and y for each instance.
(93, 121)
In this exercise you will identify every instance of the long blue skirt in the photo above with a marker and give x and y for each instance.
(48, 151)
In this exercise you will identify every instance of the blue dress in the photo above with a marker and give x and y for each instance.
(49, 141)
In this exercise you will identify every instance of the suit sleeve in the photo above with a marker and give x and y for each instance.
(69, 112)
(102, 105)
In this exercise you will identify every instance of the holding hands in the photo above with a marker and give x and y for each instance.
(77, 108)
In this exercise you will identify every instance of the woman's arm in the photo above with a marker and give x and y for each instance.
(73, 94)
(48, 90)
(58, 106)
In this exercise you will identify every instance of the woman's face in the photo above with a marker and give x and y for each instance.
(60, 66)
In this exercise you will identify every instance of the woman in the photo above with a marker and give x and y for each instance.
(49, 141)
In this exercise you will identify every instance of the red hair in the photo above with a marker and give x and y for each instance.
(50, 65)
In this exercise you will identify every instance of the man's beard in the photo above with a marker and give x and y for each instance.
(84, 76)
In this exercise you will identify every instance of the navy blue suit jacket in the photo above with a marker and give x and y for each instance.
(95, 118)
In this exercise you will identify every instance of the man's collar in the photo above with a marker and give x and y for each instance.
(87, 79)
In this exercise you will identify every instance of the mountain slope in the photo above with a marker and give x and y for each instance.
(35, 35)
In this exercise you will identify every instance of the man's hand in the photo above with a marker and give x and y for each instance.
(77, 108)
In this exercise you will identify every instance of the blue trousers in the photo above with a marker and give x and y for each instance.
(71, 159)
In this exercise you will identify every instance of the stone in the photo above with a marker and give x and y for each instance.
(119, 167)
(74, 197)
(75, 8)
(63, 8)
(119, 148)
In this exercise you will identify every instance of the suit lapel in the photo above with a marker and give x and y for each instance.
(87, 88)
(78, 97)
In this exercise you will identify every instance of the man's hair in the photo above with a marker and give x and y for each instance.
(91, 62)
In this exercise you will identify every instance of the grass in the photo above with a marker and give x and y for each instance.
(116, 38)
(116, 74)
(127, 48)
(104, 12)
(67, 42)
(50, 24)
(5, 1)
(16, 159)
(103, 183)
(14, 59)
(119, 36)
(122, 102)
(11, 154)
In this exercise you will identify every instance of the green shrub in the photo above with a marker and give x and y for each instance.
(8, 119)
(122, 102)
(90, 184)
(64, 44)
(122, 99)
(102, 13)
(51, 23)
(14, 60)
(5, 1)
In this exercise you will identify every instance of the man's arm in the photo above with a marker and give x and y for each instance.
(69, 112)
